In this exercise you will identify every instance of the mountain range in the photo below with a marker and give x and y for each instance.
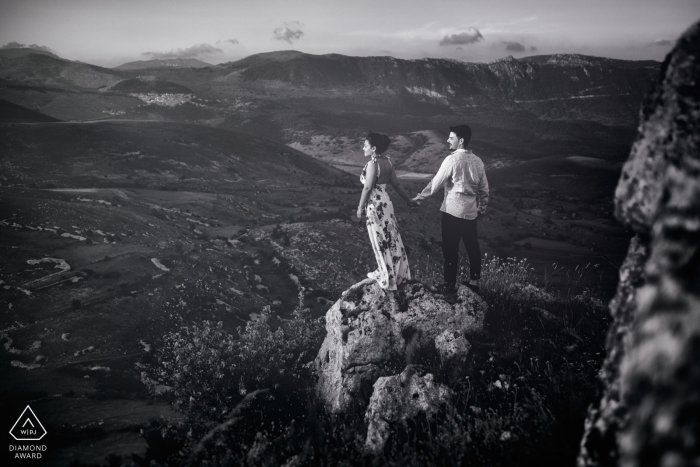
(163, 63)
(519, 109)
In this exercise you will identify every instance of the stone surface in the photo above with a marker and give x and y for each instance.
(650, 409)
(452, 345)
(371, 332)
(399, 398)
(599, 444)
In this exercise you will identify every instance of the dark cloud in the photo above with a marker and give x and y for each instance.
(514, 47)
(289, 33)
(233, 41)
(195, 51)
(534, 49)
(662, 43)
(470, 36)
(17, 45)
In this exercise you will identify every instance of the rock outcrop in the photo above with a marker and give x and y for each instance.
(399, 398)
(650, 408)
(373, 333)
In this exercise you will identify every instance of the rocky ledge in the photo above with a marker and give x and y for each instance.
(372, 335)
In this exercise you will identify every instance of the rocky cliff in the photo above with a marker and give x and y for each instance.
(650, 408)
(373, 334)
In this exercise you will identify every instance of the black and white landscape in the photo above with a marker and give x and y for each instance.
(173, 233)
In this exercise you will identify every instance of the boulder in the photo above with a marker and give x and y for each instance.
(452, 345)
(648, 414)
(399, 398)
(372, 332)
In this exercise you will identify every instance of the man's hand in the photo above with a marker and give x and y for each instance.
(412, 204)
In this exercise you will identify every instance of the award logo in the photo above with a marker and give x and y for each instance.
(28, 428)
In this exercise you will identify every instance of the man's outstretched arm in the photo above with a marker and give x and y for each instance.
(438, 181)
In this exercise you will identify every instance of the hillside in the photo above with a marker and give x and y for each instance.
(454, 83)
(164, 63)
(519, 109)
(17, 52)
(114, 233)
(28, 66)
(10, 112)
(148, 84)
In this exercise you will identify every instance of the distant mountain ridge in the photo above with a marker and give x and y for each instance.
(440, 81)
(15, 52)
(43, 68)
(164, 63)
(531, 78)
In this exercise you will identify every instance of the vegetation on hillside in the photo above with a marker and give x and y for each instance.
(520, 399)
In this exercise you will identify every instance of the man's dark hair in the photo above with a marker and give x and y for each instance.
(379, 141)
(462, 131)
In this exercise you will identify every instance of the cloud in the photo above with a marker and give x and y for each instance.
(514, 46)
(233, 41)
(289, 33)
(662, 43)
(196, 50)
(517, 47)
(470, 36)
(17, 45)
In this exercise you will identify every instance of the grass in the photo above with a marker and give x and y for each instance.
(520, 399)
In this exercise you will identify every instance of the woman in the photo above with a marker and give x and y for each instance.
(383, 230)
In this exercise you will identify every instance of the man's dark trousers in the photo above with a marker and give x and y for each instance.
(455, 229)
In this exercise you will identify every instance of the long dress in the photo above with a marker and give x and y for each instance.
(392, 262)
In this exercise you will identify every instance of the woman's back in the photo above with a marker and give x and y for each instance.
(385, 170)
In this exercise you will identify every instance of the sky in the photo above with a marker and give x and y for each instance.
(112, 32)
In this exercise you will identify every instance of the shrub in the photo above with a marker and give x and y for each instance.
(520, 399)
(209, 370)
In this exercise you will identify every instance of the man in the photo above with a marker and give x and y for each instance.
(466, 195)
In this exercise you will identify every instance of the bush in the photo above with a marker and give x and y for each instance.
(520, 399)
(210, 370)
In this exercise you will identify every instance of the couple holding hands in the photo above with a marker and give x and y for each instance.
(466, 188)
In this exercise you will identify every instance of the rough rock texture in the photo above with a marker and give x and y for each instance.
(599, 444)
(452, 345)
(399, 398)
(371, 333)
(650, 410)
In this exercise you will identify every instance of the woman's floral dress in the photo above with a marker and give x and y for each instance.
(384, 236)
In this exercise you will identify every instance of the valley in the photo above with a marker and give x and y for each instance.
(122, 220)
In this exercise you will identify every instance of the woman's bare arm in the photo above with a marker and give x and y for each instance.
(370, 179)
(399, 189)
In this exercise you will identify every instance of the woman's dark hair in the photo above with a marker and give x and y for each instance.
(379, 141)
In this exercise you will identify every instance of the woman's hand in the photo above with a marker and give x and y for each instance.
(359, 213)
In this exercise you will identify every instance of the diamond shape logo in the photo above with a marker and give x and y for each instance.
(28, 427)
